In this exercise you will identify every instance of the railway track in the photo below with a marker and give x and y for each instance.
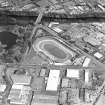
(28, 17)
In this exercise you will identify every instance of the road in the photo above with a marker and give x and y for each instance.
(38, 20)
(8, 85)
(100, 91)
(58, 67)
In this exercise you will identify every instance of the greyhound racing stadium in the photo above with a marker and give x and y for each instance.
(53, 49)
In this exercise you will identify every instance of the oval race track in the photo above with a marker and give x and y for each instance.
(53, 49)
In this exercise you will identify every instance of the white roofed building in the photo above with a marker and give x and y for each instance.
(73, 73)
(53, 80)
(86, 62)
(2, 87)
(98, 55)
(41, 99)
(19, 94)
(21, 79)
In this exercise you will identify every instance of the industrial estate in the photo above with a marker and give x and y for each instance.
(52, 52)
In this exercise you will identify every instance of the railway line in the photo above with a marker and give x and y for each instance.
(29, 17)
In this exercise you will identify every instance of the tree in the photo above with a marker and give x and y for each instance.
(2, 49)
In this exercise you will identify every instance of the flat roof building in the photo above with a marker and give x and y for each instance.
(2, 87)
(42, 99)
(86, 76)
(86, 62)
(53, 80)
(98, 55)
(21, 79)
(73, 73)
(19, 94)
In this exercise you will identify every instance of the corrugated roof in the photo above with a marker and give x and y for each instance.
(21, 79)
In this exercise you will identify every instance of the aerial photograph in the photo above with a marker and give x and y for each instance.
(52, 52)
